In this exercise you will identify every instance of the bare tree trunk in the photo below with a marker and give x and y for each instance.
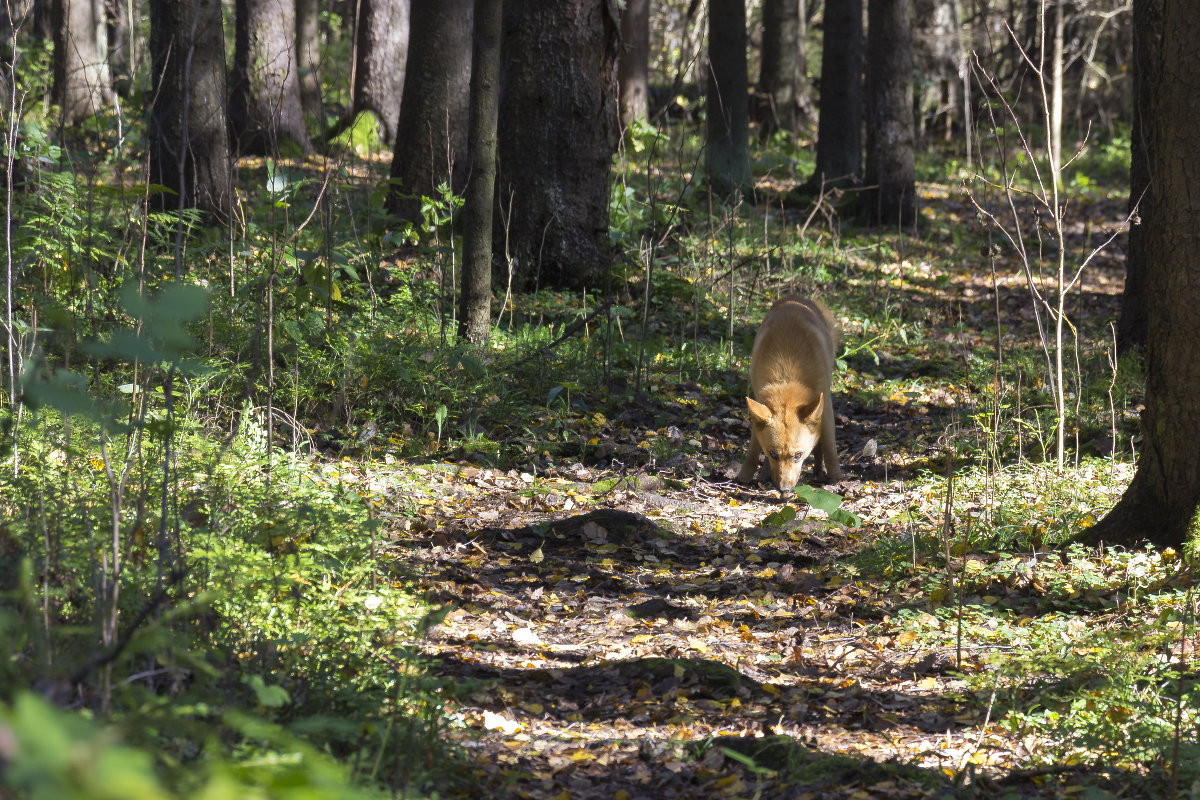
(1160, 504)
(188, 135)
(728, 153)
(475, 304)
(1056, 93)
(82, 79)
(781, 65)
(1133, 321)
(265, 108)
(633, 65)
(840, 119)
(381, 55)
(557, 132)
(431, 134)
(890, 197)
(308, 58)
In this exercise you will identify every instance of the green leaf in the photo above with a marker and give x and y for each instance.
(778, 519)
(268, 696)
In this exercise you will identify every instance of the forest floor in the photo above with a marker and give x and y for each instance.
(658, 631)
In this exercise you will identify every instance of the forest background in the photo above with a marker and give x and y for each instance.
(374, 373)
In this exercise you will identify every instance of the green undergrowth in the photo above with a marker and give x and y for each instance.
(187, 562)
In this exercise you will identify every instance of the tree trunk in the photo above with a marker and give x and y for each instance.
(431, 134)
(82, 79)
(123, 57)
(890, 198)
(938, 54)
(840, 115)
(727, 101)
(633, 65)
(475, 306)
(1147, 36)
(188, 135)
(781, 68)
(265, 109)
(381, 53)
(308, 58)
(557, 131)
(1160, 504)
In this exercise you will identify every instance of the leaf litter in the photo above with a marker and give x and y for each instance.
(632, 626)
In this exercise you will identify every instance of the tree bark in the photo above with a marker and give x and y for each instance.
(381, 54)
(890, 197)
(1133, 320)
(475, 306)
(431, 134)
(781, 68)
(840, 110)
(1161, 502)
(727, 100)
(557, 132)
(82, 78)
(265, 109)
(188, 135)
(633, 65)
(308, 58)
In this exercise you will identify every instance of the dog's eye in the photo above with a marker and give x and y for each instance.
(773, 455)
(798, 457)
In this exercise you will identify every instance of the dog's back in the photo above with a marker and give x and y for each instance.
(797, 343)
(791, 370)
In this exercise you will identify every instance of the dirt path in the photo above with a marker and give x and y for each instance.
(650, 641)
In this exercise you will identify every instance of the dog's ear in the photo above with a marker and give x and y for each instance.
(759, 414)
(811, 414)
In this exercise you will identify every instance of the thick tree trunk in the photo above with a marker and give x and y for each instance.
(265, 108)
(431, 134)
(381, 54)
(308, 58)
(728, 104)
(1160, 504)
(781, 68)
(82, 79)
(188, 135)
(475, 307)
(633, 65)
(840, 115)
(557, 130)
(890, 197)
(1147, 35)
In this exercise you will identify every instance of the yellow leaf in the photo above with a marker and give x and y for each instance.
(537, 556)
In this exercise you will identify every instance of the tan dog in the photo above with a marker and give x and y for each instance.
(790, 372)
